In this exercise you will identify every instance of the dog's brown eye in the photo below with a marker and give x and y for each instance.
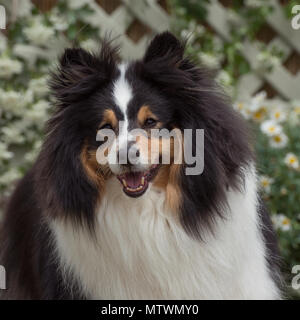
(106, 126)
(150, 122)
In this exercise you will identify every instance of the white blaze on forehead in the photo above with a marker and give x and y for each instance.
(122, 94)
(122, 91)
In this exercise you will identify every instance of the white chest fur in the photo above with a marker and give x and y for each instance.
(140, 253)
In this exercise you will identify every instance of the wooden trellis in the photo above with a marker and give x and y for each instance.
(134, 22)
(283, 80)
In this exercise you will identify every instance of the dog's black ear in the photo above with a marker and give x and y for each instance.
(80, 72)
(165, 46)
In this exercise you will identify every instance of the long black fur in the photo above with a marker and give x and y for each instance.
(182, 94)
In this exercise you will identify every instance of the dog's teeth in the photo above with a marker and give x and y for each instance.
(143, 180)
(134, 189)
(124, 182)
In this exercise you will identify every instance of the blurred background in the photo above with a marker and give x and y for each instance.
(251, 44)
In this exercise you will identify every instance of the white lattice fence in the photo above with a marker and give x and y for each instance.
(149, 15)
(132, 22)
(282, 80)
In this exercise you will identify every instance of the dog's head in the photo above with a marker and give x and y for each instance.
(108, 125)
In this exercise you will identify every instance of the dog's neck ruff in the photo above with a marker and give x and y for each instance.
(142, 252)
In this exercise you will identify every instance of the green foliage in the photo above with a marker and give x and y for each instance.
(206, 47)
(288, 8)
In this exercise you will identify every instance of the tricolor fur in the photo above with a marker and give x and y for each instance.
(73, 230)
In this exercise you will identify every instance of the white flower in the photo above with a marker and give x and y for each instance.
(224, 78)
(256, 101)
(267, 60)
(38, 113)
(38, 33)
(24, 8)
(12, 134)
(274, 61)
(265, 183)
(9, 67)
(259, 114)
(9, 177)
(12, 102)
(294, 116)
(58, 21)
(296, 106)
(90, 45)
(28, 97)
(39, 86)
(239, 106)
(278, 114)
(279, 141)
(281, 222)
(209, 60)
(291, 160)
(243, 109)
(271, 128)
(32, 154)
(4, 153)
(30, 53)
(283, 191)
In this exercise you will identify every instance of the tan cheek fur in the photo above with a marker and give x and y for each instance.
(168, 176)
(98, 173)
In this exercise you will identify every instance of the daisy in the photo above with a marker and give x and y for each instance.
(279, 141)
(283, 191)
(260, 114)
(281, 222)
(278, 114)
(210, 60)
(256, 101)
(243, 109)
(265, 183)
(291, 160)
(271, 128)
(297, 110)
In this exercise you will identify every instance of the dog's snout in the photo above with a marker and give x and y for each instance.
(129, 155)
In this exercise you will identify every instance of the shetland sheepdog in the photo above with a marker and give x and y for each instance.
(78, 227)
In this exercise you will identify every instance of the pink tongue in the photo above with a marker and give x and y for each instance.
(133, 179)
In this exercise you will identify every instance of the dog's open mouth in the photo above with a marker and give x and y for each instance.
(135, 184)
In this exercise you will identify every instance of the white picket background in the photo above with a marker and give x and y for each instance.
(151, 14)
(287, 40)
